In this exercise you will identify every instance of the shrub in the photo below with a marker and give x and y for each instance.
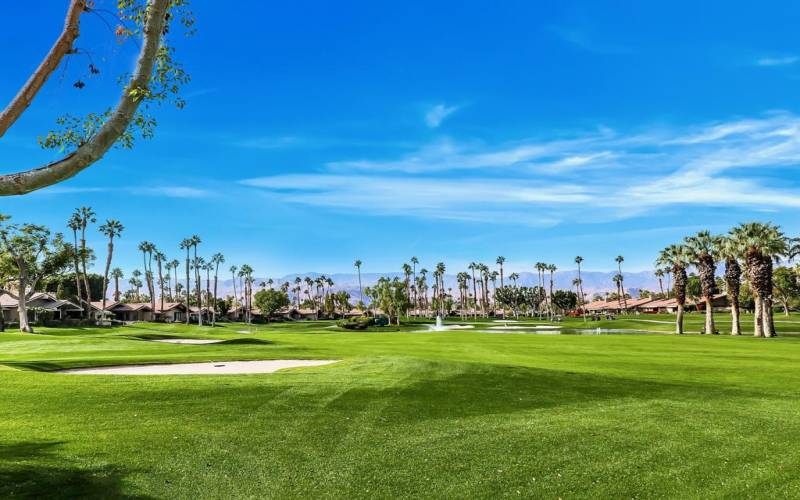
(358, 323)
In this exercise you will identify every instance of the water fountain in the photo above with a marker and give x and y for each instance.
(441, 327)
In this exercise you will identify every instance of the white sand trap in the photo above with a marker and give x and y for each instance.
(189, 341)
(505, 321)
(511, 327)
(214, 368)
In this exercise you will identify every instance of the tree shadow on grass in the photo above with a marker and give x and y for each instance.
(34, 470)
(464, 389)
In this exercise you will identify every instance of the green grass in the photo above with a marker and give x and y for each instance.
(460, 414)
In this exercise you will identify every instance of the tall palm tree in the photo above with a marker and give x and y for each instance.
(500, 260)
(116, 273)
(677, 257)
(147, 250)
(111, 229)
(552, 268)
(414, 261)
(85, 216)
(440, 268)
(217, 259)
(760, 245)
(160, 259)
(74, 223)
(233, 270)
(186, 244)
(540, 269)
(701, 247)
(472, 267)
(617, 279)
(581, 297)
(174, 264)
(620, 259)
(136, 283)
(246, 272)
(576, 282)
(660, 275)
(726, 250)
(196, 241)
(357, 263)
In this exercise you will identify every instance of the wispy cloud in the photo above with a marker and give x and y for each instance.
(271, 142)
(437, 114)
(580, 38)
(777, 61)
(598, 176)
(173, 192)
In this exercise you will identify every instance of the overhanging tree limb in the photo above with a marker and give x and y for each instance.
(51, 61)
(117, 123)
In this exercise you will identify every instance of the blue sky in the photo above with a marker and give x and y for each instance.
(318, 133)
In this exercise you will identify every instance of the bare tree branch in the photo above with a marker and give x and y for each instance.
(57, 52)
(112, 129)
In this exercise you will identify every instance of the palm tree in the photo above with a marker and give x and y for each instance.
(581, 297)
(701, 247)
(74, 223)
(472, 267)
(111, 229)
(500, 260)
(576, 282)
(160, 259)
(540, 269)
(760, 245)
(726, 250)
(136, 283)
(357, 263)
(84, 217)
(660, 274)
(196, 241)
(218, 259)
(552, 268)
(174, 264)
(116, 273)
(233, 270)
(246, 272)
(186, 244)
(620, 259)
(514, 277)
(677, 258)
(147, 250)
(414, 262)
(617, 279)
(440, 271)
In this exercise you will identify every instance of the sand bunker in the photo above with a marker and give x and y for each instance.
(189, 341)
(214, 368)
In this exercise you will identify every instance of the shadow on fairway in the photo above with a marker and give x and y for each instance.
(20, 479)
(466, 390)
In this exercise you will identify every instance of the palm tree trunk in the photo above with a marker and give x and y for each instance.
(768, 326)
(709, 327)
(77, 266)
(85, 277)
(679, 320)
(161, 285)
(188, 286)
(105, 275)
(757, 316)
(735, 327)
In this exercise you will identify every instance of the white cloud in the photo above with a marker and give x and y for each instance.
(173, 192)
(777, 61)
(437, 114)
(598, 176)
(270, 142)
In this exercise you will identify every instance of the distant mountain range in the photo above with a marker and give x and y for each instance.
(593, 281)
